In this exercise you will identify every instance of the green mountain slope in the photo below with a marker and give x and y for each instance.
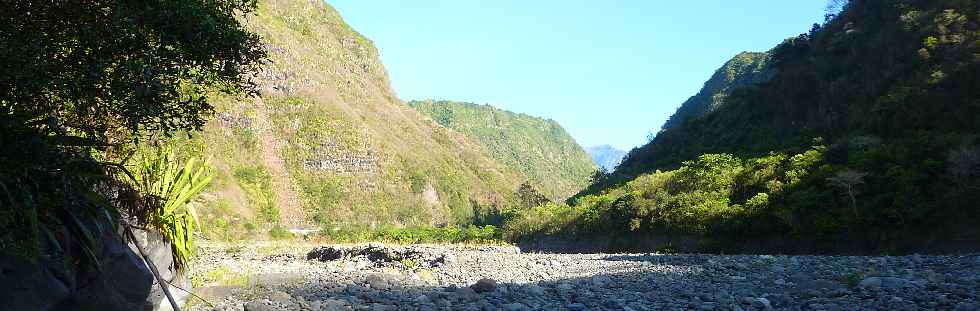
(865, 138)
(541, 149)
(745, 69)
(329, 144)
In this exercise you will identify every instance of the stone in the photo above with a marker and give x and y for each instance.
(280, 296)
(256, 305)
(466, 293)
(966, 306)
(484, 286)
(534, 290)
(383, 307)
(601, 281)
(870, 283)
(333, 305)
(565, 287)
(124, 282)
(376, 281)
(894, 283)
(934, 277)
(747, 300)
(576, 307)
(762, 303)
(516, 306)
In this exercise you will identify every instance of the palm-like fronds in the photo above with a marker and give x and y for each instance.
(161, 175)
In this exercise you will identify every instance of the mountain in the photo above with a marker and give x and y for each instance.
(605, 156)
(831, 84)
(745, 69)
(329, 144)
(862, 140)
(539, 148)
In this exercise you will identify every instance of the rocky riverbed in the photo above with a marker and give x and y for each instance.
(256, 277)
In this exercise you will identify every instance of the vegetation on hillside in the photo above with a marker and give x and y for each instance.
(892, 88)
(85, 85)
(540, 149)
(330, 144)
(744, 70)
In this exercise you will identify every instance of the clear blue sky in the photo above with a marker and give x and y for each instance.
(608, 71)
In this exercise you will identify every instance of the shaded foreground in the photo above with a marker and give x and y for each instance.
(445, 277)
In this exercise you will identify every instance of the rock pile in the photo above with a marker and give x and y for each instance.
(380, 255)
(368, 277)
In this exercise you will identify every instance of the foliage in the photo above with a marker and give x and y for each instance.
(539, 148)
(257, 184)
(83, 84)
(744, 70)
(334, 142)
(528, 197)
(278, 233)
(415, 235)
(548, 219)
(891, 85)
(162, 177)
(722, 199)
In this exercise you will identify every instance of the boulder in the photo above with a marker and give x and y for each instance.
(484, 286)
(120, 281)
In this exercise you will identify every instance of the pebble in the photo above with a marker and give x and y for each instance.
(456, 277)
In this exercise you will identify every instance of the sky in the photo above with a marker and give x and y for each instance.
(609, 72)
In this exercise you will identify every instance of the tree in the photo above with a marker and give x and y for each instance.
(834, 7)
(847, 180)
(963, 167)
(85, 82)
(529, 197)
(600, 175)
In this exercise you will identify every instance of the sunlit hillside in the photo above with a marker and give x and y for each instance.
(329, 143)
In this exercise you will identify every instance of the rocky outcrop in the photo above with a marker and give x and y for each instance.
(119, 281)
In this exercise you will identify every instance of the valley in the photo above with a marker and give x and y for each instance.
(260, 152)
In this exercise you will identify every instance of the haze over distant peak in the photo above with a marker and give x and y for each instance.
(606, 156)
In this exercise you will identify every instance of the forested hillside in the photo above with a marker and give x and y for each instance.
(745, 69)
(539, 148)
(329, 144)
(864, 139)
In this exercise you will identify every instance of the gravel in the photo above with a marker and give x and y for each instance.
(452, 277)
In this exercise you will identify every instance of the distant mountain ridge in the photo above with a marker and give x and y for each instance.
(606, 156)
(539, 148)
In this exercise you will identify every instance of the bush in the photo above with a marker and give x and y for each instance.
(415, 235)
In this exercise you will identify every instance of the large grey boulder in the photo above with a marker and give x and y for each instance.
(59, 282)
(159, 251)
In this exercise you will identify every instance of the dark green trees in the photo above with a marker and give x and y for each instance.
(82, 82)
(893, 87)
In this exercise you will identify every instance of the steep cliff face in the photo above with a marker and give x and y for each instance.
(329, 143)
(538, 148)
